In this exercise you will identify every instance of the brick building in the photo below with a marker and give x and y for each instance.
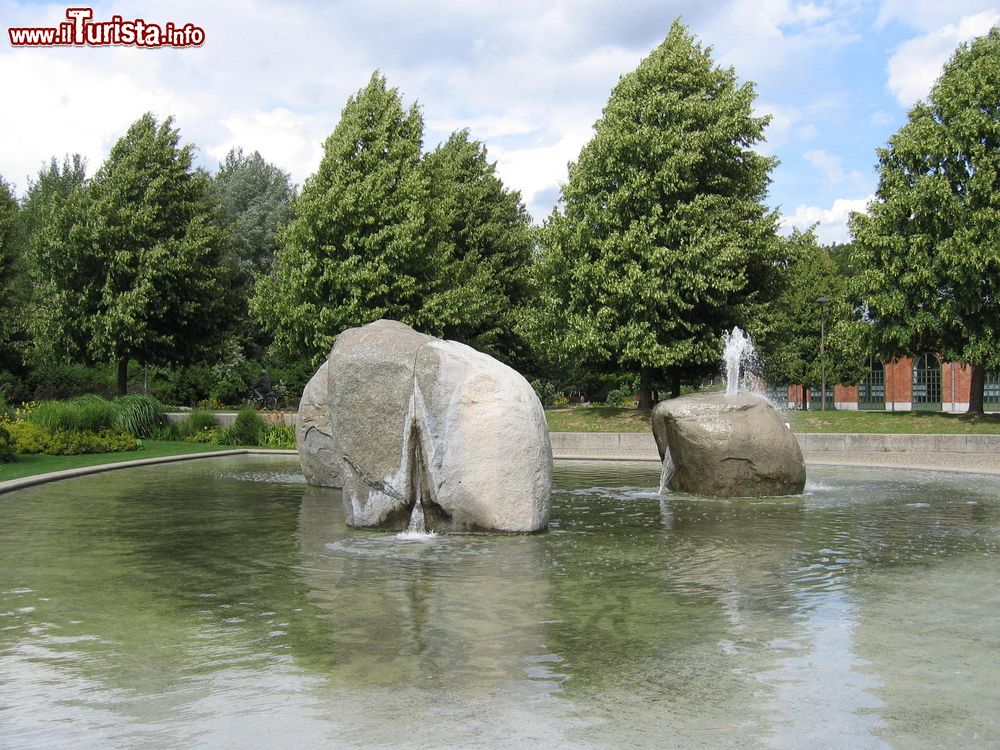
(922, 383)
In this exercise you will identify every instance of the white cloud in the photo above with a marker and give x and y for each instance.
(832, 221)
(830, 166)
(89, 109)
(295, 142)
(929, 15)
(538, 169)
(916, 65)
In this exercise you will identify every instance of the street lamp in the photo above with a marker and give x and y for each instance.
(824, 302)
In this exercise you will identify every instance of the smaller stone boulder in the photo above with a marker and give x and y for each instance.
(728, 446)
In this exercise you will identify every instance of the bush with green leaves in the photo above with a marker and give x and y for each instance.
(6, 447)
(206, 435)
(30, 437)
(88, 413)
(198, 421)
(620, 397)
(278, 435)
(247, 429)
(546, 392)
(138, 415)
(54, 381)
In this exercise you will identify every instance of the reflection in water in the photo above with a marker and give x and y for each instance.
(223, 603)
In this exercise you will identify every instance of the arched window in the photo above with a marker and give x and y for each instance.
(871, 389)
(926, 383)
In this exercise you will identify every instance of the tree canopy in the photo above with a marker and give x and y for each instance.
(130, 263)
(254, 201)
(486, 238)
(358, 246)
(791, 353)
(928, 247)
(8, 259)
(663, 241)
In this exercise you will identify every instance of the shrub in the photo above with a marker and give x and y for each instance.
(182, 385)
(278, 435)
(64, 381)
(620, 397)
(6, 447)
(30, 437)
(208, 435)
(546, 392)
(6, 411)
(138, 415)
(246, 429)
(167, 431)
(198, 421)
(81, 414)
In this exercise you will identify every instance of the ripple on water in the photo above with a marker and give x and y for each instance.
(225, 605)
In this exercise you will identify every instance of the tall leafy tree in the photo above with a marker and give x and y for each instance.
(663, 240)
(791, 351)
(254, 200)
(359, 245)
(928, 248)
(9, 312)
(133, 260)
(485, 240)
(42, 339)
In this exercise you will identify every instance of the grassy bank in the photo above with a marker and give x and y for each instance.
(28, 465)
(611, 419)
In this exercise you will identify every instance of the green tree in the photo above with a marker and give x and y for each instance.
(485, 240)
(663, 241)
(928, 248)
(358, 246)
(131, 262)
(254, 200)
(41, 211)
(9, 310)
(791, 353)
(54, 181)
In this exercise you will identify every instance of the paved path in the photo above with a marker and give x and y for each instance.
(980, 463)
(52, 476)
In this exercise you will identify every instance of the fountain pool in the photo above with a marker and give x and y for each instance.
(222, 603)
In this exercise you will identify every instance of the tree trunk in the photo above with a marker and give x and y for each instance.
(805, 397)
(646, 388)
(976, 389)
(123, 376)
(675, 384)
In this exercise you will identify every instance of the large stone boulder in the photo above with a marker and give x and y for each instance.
(727, 446)
(416, 419)
(312, 431)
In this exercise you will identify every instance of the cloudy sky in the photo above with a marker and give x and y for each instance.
(529, 79)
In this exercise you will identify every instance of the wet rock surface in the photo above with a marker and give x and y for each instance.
(727, 446)
(414, 419)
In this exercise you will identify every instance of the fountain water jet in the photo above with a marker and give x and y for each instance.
(738, 349)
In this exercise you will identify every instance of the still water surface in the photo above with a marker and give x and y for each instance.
(222, 603)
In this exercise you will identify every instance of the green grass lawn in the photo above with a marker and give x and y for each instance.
(611, 419)
(32, 464)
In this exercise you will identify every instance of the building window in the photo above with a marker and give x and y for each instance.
(926, 383)
(871, 389)
(991, 391)
(816, 398)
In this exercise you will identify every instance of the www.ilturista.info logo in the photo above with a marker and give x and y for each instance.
(81, 31)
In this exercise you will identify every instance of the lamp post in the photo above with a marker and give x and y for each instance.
(824, 302)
